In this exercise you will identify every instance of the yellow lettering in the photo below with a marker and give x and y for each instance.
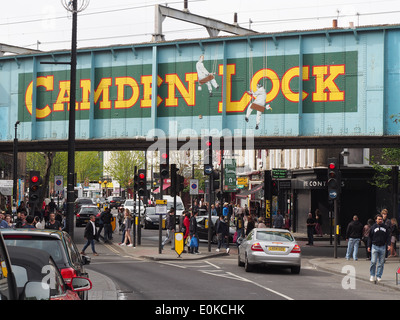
(147, 87)
(325, 86)
(271, 75)
(46, 82)
(121, 83)
(85, 86)
(187, 94)
(287, 77)
(232, 106)
(103, 89)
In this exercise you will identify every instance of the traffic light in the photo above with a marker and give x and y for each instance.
(275, 187)
(164, 164)
(142, 183)
(208, 156)
(215, 180)
(267, 185)
(35, 183)
(333, 179)
(180, 183)
(135, 183)
(173, 180)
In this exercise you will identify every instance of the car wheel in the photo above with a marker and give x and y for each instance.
(240, 263)
(247, 266)
(295, 270)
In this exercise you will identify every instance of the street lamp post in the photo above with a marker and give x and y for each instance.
(15, 167)
(72, 6)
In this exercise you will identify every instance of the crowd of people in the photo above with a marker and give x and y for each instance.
(49, 217)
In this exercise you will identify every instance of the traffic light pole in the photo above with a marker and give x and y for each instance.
(335, 239)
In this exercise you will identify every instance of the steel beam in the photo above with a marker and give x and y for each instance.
(213, 26)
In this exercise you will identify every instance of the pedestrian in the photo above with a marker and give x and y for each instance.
(128, 226)
(261, 223)
(9, 221)
(30, 222)
(213, 210)
(194, 243)
(310, 229)
(170, 225)
(52, 223)
(378, 242)
(250, 224)
(222, 231)
(106, 218)
(394, 234)
(239, 223)
(186, 224)
(365, 236)
(3, 222)
(318, 223)
(90, 234)
(386, 221)
(353, 236)
(225, 210)
(278, 222)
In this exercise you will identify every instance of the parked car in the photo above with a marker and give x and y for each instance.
(114, 202)
(151, 219)
(58, 244)
(38, 278)
(203, 231)
(81, 201)
(270, 247)
(82, 217)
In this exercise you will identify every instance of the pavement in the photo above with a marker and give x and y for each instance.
(105, 289)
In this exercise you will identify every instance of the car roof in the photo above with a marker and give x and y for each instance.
(34, 232)
(31, 259)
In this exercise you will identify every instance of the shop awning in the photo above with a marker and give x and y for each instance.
(246, 193)
(165, 186)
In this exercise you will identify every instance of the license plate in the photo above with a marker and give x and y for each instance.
(276, 249)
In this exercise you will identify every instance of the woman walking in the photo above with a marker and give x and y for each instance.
(128, 226)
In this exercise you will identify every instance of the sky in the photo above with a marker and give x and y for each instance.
(46, 25)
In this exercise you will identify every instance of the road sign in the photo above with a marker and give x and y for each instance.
(58, 183)
(161, 207)
(208, 169)
(179, 243)
(194, 186)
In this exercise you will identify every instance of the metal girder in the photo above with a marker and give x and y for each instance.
(14, 49)
(258, 143)
(213, 26)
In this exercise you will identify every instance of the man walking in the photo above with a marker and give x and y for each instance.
(378, 242)
(353, 236)
(170, 224)
(90, 235)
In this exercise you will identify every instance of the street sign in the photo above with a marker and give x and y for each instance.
(161, 207)
(179, 243)
(194, 186)
(230, 176)
(58, 184)
(208, 169)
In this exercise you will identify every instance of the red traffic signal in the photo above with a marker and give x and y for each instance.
(142, 176)
(34, 179)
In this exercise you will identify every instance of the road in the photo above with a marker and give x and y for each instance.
(220, 278)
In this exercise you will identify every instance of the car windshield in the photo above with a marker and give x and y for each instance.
(179, 205)
(151, 210)
(83, 200)
(89, 210)
(274, 236)
(50, 245)
(129, 203)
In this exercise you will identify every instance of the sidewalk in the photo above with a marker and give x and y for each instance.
(105, 289)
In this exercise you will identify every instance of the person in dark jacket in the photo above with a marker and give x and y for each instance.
(378, 243)
(107, 217)
(90, 234)
(222, 230)
(353, 236)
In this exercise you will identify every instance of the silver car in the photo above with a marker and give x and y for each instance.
(271, 247)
